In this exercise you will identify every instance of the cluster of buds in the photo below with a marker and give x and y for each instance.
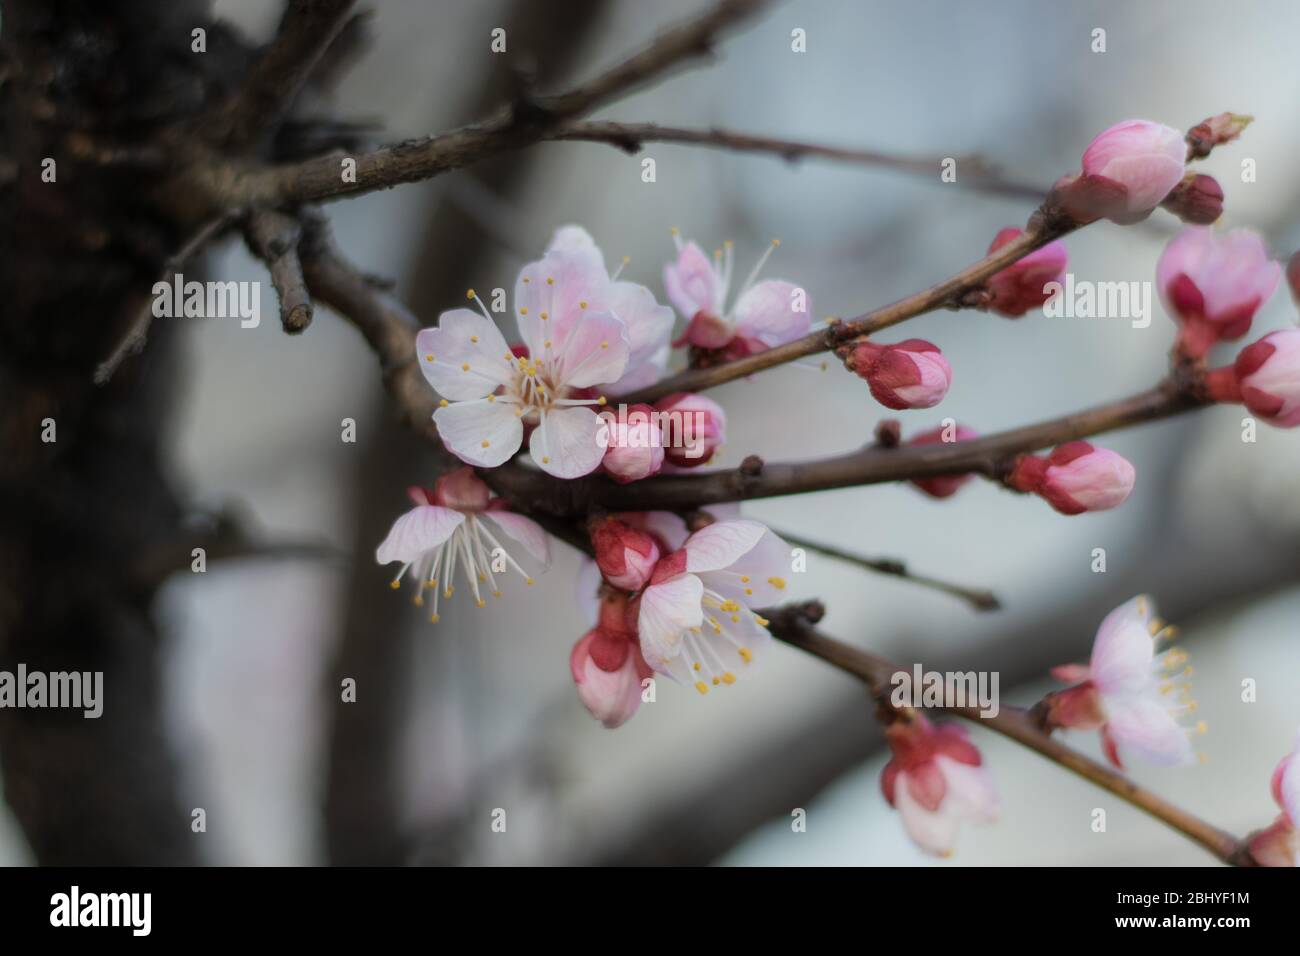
(1076, 477)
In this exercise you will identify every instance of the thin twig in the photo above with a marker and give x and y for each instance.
(981, 599)
(794, 625)
(307, 29)
(138, 332)
(522, 123)
(631, 137)
(273, 237)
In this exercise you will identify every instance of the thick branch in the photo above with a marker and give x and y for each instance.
(791, 624)
(631, 137)
(520, 124)
(981, 599)
(307, 29)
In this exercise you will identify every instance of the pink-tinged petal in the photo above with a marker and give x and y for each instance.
(692, 283)
(721, 544)
(1289, 787)
(668, 610)
(463, 338)
(594, 353)
(482, 433)
(635, 450)
(649, 329)
(1144, 727)
(934, 832)
(1276, 845)
(926, 785)
(1147, 159)
(1269, 373)
(461, 489)
(1123, 650)
(567, 442)
(767, 313)
(612, 697)
(766, 565)
(971, 794)
(1071, 673)
(524, 530)
(1094, 481)
(419, 530)
(574, 239)
(556, 291)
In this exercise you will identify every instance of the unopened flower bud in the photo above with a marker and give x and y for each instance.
(626, 555)
(1198, 199)
(607, 665)
(910, 374)
(1265, 378)
(1076, 477)
(1019, 287)
(693, 428)
(1127, 171)
(1215, 131)
(943, 486)
(634, 446)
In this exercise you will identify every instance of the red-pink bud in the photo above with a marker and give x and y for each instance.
(1198, 199)
(1214, 283)
(943, 486)
(693, 428)
(1268, 376)
(607, 665)
(1019, 287)
(634, 446)
(626, 556)
(1076, 477)
(910, 374)
(1129, 168)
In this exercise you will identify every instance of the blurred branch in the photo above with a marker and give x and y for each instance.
(525, 121)
(981, 599)
(794, 624)
(632, 137)
(307, 29)
(273, 238)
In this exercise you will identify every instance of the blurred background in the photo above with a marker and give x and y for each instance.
(478, 712)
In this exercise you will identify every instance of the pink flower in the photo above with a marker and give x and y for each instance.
(1127, 692)
(1279, 844)
(1076, 477)
(634, 445)
(695, 619)
(1019, 287)
(607, 665)
(694, 428)
(766, 314)
(489, 393)
(649, 324)
(943, 486)
(935, 780)
(1265, 377)
(1214, 283)
(1130, 167)
(449, 527)
(910, 374)
(625, 555)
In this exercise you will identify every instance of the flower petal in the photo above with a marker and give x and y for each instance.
(649, 328)
(480, 433)
(1145, 728)
(575, 239)
(721, 544)
(463, 338)
(1123, 650)
(567, 444)
(692, 283)
(419, 530)
(552, 293)
(765, 565)
(971, 793)
(667, 610)
(524, 530)
(766, 312)
(935, 832)
(594, 352)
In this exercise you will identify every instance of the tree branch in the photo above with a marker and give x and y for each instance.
(631, 137)
(273, 237)
(981, 599)
(306, 31)
(525, 121)
(794, 625)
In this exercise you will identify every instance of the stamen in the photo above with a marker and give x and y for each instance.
(762, 261)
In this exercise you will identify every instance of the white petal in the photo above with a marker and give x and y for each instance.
(575, 278)
(465, 426)
(524, 530)
(933, 831)
(692, 283)
(668, 609)
(566, 443)
(1148, 730)
(463, 337)
(766, 312)
(575, 239)
(649, 329)
(721, 544)
(594, 353)
(766, 565)
(1123, 650)
(419, 530)
(970, 789)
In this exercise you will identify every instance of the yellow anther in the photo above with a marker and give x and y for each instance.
(746, 654)
(418, 600)
(449, 590)
(548, 343)
(735, 619)
(550, 281)
(728, 678)
(524, 310)
(544, 316)
(546, 459)
(696, 666)
(484, 443)
(778, 583)
(469, 293)
(434, 618)
(526, 281)
(762, 620)
(464, 366)
(744, 579)
(702, 687)
(496, 594)
(529, 581)
(481, 603)
(604, 345)
(443, 403)
(482, 576)
(1202, 727)
(395, 585)
(626, 260)
(429, 357)
(749, 590)
(474, 338)
(674, 231)
(582, 304)
(602, 400)
(717, 681)
(775, 243)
